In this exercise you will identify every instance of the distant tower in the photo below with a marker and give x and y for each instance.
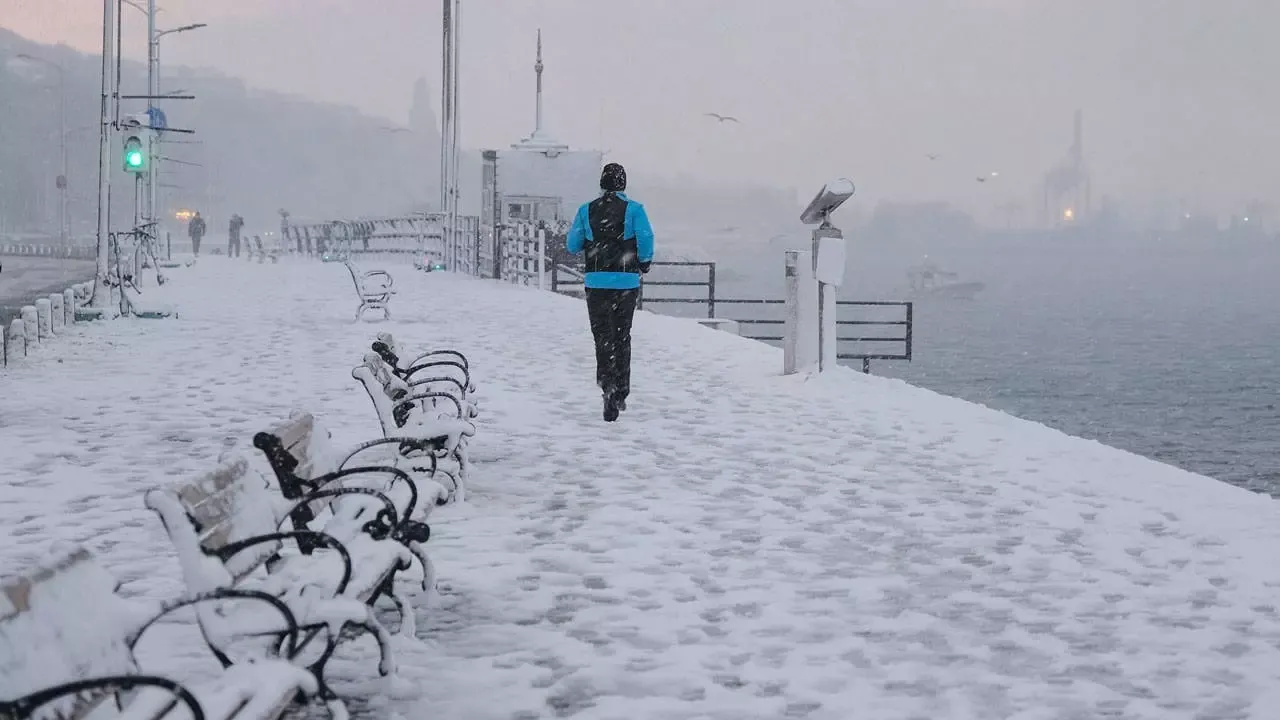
(1077, 140)
(539, 140)
(424, 141)
(422, 119)
(537, 69)
(1067, 189)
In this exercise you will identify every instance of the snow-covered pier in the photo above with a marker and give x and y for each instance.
(740, 545)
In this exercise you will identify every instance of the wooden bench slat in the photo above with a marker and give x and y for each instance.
(60, 623)
(66, 649)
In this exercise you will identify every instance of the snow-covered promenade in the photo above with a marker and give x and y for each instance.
(740, 545)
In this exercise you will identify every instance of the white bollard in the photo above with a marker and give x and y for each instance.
(31, 325)
(44, 318)
(69, 305)
(16, 341)
(57, 314)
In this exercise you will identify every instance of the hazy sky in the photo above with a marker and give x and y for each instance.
(1179, 96)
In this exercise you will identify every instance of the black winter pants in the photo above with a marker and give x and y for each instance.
(611, 312)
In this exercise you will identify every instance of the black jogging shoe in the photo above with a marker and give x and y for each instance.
(610, 408)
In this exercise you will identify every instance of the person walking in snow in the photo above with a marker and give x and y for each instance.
(195, 230)
(614, 235)
(233, 235)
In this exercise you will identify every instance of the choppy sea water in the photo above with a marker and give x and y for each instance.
(1169, 349)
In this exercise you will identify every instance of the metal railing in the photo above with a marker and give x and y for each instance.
(567, 279)
(420, 237)
(902, 342)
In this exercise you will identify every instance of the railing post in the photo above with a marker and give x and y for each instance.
(866, 366)
(542, 256)
(711, 290)
(910, 324)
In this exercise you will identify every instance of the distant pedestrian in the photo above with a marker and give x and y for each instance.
(233, 236)
(195, 230)
(614, 233)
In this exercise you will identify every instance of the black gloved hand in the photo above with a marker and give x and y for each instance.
(644, 267)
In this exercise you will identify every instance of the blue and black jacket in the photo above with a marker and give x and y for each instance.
(614, 233)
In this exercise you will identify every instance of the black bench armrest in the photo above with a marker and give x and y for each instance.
(419, 367)
(227, 551)
(461, 358)
(462, 389)
(423, 396)
(387, 514)
(291, 621)
(407, 445)
(25, 707)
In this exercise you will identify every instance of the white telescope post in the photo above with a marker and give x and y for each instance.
(828, 264)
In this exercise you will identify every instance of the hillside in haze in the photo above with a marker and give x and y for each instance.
(254, 151)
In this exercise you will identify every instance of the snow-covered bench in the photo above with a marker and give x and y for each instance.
(374, 288)
(66, 652)
(254, 248)
(433, 361)
(375, 500)
(225, 528)
(403, 410)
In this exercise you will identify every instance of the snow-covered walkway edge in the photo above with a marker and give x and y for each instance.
(740, 545)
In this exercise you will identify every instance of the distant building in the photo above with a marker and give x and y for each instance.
(537, 179)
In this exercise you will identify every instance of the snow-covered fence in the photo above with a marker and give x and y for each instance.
(76, 252)
(524, 253)
(419, 236)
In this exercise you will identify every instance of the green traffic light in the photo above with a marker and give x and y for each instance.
(134, 158)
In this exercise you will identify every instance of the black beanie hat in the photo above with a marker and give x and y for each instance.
(613, 178)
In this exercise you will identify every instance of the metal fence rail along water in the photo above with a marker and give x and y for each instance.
(533, 253)
(885, 345)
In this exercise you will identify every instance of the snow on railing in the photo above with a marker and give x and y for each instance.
(42, 321)
(78, 252)
(422, 237)
(524, 253)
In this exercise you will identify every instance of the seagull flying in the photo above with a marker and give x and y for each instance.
(982, 179)
(723, 118)
(931, 156)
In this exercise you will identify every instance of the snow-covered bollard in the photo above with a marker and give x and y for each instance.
(31, 325)
(57, 314)
(44, 318)
(69, 305)
(16, 340)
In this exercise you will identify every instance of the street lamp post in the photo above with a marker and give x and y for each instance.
(101, 291)
(64, 222)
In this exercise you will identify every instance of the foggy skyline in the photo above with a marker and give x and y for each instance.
(1175, 93)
